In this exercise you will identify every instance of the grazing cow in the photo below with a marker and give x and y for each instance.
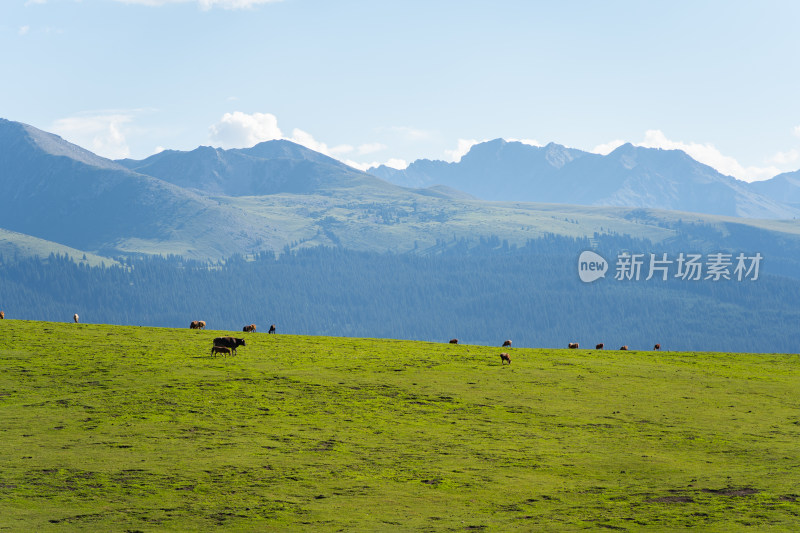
(574, 345)
(195, 324)
(507, 343)
(75, 317)
(453, 341)
(657, 347)
(220, 349)
(599, 346)
(272, 328)
(624, 347)
(505, 357)
(229, 342)
(201, 324)
(2, 315)
(250, 328)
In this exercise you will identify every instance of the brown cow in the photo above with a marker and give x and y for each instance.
(220, 349)
(505, 357)
(507, 343)
(75, 317)
(272, 329)
(453, 341)
(2, 315)
(197, 324)
(624, 347)
(250, 328)
(657, 347)
(574, 345)
(599, 346)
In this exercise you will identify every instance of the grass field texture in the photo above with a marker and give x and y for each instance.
(111, 428)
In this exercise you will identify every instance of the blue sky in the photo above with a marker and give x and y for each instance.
(392, 81)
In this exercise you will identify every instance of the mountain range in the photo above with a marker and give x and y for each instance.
(211, 203)
(630, 176)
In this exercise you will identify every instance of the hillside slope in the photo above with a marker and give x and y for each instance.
(125, 429)
(59, 192)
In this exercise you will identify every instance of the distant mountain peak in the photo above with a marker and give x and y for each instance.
(629, 176)
(52, 144)
(270, 167)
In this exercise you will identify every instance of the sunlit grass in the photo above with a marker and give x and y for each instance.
(125, 428)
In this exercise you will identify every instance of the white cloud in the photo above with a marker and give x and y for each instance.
(398, 164)
(24, 30)
(607, 148)
(708, 154)
(203, 4)
(411, 134)
(530, 142)
(461, 150)
(464, 146)
(785, 158)
(370, 148)
(304, 138)
(240, 130)
(101, 133)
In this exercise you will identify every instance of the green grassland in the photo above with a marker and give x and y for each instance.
(110, 428)
(403, 222)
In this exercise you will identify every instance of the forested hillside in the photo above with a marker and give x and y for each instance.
(482, 294)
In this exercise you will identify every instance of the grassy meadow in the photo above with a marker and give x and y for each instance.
(111, 428)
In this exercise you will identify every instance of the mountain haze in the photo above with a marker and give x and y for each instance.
(782, 188)
(59, 192)
(211, 203)
(630, 176)
(271, 167)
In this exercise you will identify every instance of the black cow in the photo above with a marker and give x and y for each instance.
(271, 329)
(229, 342)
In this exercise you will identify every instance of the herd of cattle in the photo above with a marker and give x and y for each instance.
(226, 345)
(572, 345)
(575, 345)
(201, 324)
(506, 358)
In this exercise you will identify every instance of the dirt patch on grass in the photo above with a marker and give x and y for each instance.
(730, 491)
(672, 499)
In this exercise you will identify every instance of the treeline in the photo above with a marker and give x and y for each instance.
(481, 293)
